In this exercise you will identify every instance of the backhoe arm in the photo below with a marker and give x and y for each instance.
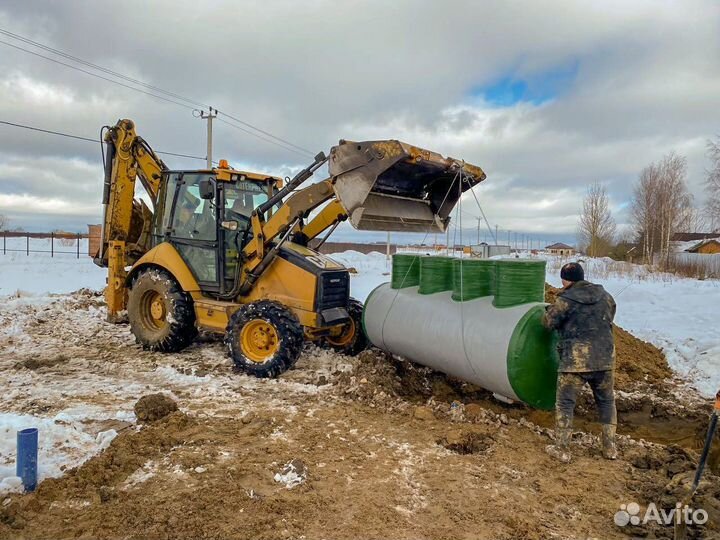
(126, 220)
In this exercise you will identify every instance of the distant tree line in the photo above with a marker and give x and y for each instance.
(661, 206)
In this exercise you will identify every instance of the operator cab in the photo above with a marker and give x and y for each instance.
(199, 211)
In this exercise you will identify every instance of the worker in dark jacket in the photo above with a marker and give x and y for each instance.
(582, 315)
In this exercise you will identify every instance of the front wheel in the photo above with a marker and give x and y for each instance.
(264, 339)
(161, 314)
(352, 340)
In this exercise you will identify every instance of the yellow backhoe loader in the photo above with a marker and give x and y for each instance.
(226, 251)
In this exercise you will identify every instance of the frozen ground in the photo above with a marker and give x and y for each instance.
(80, 394)
(677, 314)
(39, 273)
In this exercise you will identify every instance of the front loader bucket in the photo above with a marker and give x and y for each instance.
(393, 186)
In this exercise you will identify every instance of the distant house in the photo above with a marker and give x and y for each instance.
(692, 236)
(560, 249)
(710, 246)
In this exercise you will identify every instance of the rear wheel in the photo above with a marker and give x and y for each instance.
(352, 340)
(161, 314)
(264, 339)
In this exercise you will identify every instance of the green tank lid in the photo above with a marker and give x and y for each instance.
(532, 360)
(473, 278)
(519, 281)
(435, 274)
(405, 271)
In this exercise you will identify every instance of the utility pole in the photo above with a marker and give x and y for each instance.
(496, 236)
(478, 229)
(387, 254)
(209, 117)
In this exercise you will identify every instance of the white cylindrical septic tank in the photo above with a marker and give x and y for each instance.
(486, 329)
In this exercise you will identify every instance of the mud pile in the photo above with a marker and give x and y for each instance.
(379, 378)
(154, 407)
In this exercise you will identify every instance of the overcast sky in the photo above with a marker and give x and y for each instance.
(546, 97)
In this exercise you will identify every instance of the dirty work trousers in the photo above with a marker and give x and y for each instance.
(601, 383)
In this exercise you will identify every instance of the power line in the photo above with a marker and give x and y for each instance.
(268, 134)
(98, 67)
(95, 75)
(289, 149)
(273, 139)
(87, 139)
(49, 131)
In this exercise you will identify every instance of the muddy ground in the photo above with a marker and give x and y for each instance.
(367, 447)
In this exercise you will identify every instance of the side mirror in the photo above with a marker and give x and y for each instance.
(230, 225)
(207, 191)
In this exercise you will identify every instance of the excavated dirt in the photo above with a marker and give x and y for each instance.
(153, 407)
(381, 447)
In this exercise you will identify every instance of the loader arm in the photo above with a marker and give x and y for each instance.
(126, 220)
(377, 185)
(296, 207)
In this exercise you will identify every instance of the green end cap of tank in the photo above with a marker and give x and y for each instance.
(435, 274)
(532, 361)
(405, 271)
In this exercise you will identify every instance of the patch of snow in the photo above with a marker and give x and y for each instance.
(39, 273)
(11, 484)
(143, 474)
(61, 445)
(293, 474)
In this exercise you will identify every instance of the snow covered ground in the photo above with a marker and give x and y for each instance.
(676, 314)
(39, 273)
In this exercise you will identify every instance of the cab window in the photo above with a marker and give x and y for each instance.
(241, 198)
(194, 218)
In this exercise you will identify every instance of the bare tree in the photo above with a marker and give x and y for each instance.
(661, 205)
(597, 226)
(643, 209)
(676, 203)
(712, 186)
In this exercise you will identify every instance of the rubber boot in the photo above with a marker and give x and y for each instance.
(609, 443)
(563, 432)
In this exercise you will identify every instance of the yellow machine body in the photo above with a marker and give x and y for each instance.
(235, 244)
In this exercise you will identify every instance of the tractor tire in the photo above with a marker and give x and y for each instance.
(264, 339)
(353, 340)
(161, 314)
